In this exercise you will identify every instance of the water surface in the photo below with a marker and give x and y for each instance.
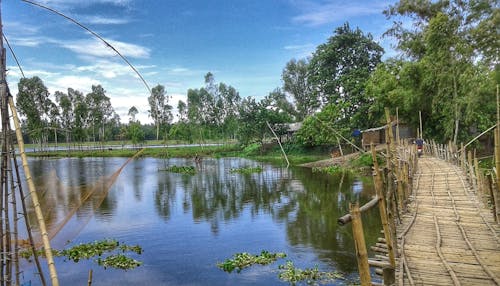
(188, 223)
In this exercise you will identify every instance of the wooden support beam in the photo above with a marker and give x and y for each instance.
(360, 245)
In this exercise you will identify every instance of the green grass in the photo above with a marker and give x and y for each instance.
(171, 152)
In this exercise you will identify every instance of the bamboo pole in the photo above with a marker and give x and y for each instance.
(471, 171)
(497, 167)
(360, 245)
(282, 150)
(377, 177)
(345, 219)
(34, 197)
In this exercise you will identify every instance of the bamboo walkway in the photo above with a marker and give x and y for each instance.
(448, 237)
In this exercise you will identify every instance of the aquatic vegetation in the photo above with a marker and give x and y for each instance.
(96, 248)
(335, 169)
(290, 273)
(244, 260)
(180, 169)
(119, 261)
(247, 170)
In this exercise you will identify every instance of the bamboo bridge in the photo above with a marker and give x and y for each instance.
(450, 238)
(440, 215)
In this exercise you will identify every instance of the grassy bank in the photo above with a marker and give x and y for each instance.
(268, 153)
(170, 152)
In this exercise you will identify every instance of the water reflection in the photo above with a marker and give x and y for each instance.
(307, 204)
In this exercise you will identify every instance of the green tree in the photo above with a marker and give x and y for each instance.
(132, 112)
(33, 103)
(101, 111)
(339, 70)
(452, 57)
(160, 111)
(81, 112)
(295, 78)
(135, 132)
(321, 128)
(254, 117)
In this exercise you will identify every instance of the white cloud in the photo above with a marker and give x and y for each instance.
(96, 48)
(104, 20)
(16, 28)
(81, 83)
(68, 3)
(314, 14)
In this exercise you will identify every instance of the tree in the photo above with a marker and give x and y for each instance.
(160, 111)
(182, 111)
(33, 103)
(451, 58)
(100, 110)
(135, 133)
(339, 70)
(254, 117)
(296, 82)
(81, 114)
(321, 128)
(132, 112)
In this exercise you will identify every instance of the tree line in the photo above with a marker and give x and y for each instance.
(447, 69)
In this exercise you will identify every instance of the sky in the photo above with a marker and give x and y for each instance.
(243, 43)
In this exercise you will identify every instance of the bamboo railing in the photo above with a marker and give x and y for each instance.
(393, 185)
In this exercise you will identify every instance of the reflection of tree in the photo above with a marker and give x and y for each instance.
(164, 195)
(73, 186)
(324, 199)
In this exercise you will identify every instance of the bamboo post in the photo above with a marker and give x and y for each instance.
(89, 281)
(478, 175)
(471, 171)
(34, 197)
(494, 198)
(497, 165)
(462, 157)
(360, 245)
(377, 176)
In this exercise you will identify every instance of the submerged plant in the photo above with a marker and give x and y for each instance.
(247, 170)
(96, 248)
(244, 260)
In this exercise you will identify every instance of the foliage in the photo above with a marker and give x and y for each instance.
(290, 273)
(135, 132)
(321, 128)
(160, 111)
(334, 169)
(97, 249)
(33, 103)
(119, 261)
(296, 82)
(246, 170)
(244, 260)
(449, 67)
(339, 70)
(252, 149)
(181, 169)
(366, 160)
(255, 117)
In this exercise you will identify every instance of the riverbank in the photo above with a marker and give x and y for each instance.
(296, 154)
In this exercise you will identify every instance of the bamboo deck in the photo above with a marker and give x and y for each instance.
(450, 237)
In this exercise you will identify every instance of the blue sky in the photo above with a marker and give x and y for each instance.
(245, 44)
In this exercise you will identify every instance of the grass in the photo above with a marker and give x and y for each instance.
(296, 154)
(170, 152)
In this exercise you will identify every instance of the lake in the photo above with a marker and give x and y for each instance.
(186, 224)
